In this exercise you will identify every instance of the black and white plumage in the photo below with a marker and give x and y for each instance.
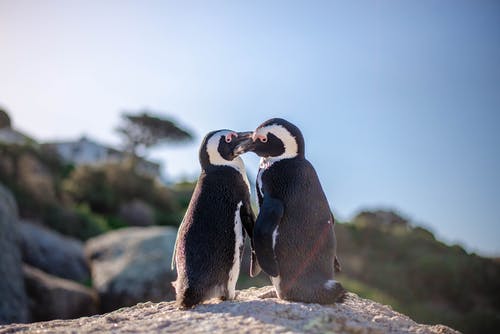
(210, 239)
(293, 235)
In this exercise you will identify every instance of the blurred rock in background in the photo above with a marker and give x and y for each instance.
(52, 252)
(132, 265)
(13, 300)
(52, 297)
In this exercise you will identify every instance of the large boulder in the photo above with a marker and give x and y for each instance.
(13, 301)
(57, 298)
(248, 314)
(132, 265)
(53, 253)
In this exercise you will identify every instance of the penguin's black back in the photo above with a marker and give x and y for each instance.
(207, 238)
(305, 247)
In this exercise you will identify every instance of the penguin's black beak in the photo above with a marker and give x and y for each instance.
(245, 144)
(244, 141)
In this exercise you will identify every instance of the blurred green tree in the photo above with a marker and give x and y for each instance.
(143, 130)
(5, 121)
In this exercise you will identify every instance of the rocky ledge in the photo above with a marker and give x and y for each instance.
(247, 314)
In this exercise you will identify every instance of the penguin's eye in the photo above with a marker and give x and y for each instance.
(263, 139)
(230, 136)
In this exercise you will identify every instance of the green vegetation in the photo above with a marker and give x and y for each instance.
(34, 175)
(5, 121)
(105, 187)
(86, 201)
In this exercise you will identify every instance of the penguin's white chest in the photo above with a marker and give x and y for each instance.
(259, 182)
(238, 244)
(264, 165)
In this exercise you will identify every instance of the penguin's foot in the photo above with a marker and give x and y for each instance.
(330, 292)
(336, 290)
(184, 307)
(268, 294)
(188, 298)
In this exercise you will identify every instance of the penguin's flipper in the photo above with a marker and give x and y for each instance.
(248, 220)
(174, 253)
(271, 212)
(336, 265)
(332, 218)
(172, 263)
(255, 268)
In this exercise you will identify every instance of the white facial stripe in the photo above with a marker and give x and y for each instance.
(213, 149)
(291, 147)
(216, 159)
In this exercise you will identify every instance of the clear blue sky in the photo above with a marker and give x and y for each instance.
(399, 101)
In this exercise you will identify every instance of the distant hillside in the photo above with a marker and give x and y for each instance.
(389, 259)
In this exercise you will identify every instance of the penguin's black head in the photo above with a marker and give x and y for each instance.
(219, 148)
(277, 139)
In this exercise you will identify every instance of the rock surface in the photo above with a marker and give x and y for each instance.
(132, 265)
(13, 301)
(56, 298)
(248, 314)
(53, 253)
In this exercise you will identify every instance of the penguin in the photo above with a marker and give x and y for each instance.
(209, 245)
(294, 234)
